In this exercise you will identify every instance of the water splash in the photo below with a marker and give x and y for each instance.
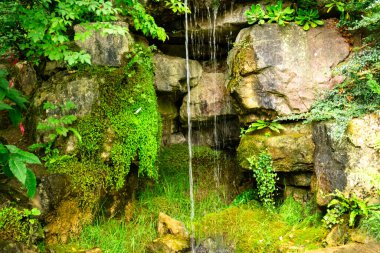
(191, 181)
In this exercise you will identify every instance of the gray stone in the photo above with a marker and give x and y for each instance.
(292, 149)
(278, 70)
(209, 99)
(170, 73)
(351, 165)
(63, 87)
(220, 134)
(105, 49)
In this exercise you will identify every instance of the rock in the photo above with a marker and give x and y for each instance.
(173, 236)
(292, 149)
(351, 165)
(301, 195)
(298, 179)
(176, 138)
(105, 49)
(359, 236)
(350, 248)
(168, 244)
(170, 73)
(209, 99)
(270, 67)
(63, 87)
(211, 245)
(25, 78)
(66, 222)
(168, 225)
(220, 134)
(169, 115)
(337, 236)
(51, 191)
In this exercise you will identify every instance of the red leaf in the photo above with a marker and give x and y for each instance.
(22, 129)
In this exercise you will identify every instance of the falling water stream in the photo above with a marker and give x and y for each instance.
(191, 181)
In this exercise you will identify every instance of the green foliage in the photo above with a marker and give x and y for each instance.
(42, 29)
(308, 18)
(339, 6)
(177, 6)
(255, 14)
(275, 13)
(371, 224)
(291, 211)
(13, 162)
(262, 167)
(56, 127)
(11, 99)
(134, 118)
(261, 124)
(16, 225)
(341, 205)
(244, 197)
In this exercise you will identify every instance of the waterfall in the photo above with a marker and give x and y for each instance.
(191, 181)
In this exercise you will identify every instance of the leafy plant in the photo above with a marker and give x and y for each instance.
(177, 6)
(276, 13)
(261, 124)
(11, 99)
(341, 205)
(244, 197)
(340, 6)
(13, 162)
(263, 172)
(42, 29)
(56, 127)
(308, 18)
(255, 14)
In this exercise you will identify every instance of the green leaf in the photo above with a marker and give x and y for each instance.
(62, 131)
(18, 169)
(30, 183)
(22, 156)
(306, 27)
(7, 171)
(4, 106)
(76, 134)
(15, 116)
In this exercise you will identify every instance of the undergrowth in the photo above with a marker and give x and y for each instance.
(246, 227)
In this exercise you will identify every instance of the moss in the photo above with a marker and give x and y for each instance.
(87, 179)
(16, 225)
(125, 126)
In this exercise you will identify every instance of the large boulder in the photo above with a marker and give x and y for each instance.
(277, 70)
(352, 164)
(170, 73)
(105, 49)
(209, 99)
(291, 150)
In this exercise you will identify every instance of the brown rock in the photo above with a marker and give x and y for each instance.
(291, 150)
(168, 225)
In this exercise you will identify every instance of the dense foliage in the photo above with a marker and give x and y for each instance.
(37, 30)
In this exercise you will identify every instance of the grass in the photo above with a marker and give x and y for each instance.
(247, 227)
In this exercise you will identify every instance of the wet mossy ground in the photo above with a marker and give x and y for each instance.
(244, 228)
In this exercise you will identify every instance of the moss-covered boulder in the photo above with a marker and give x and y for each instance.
(292, 150)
